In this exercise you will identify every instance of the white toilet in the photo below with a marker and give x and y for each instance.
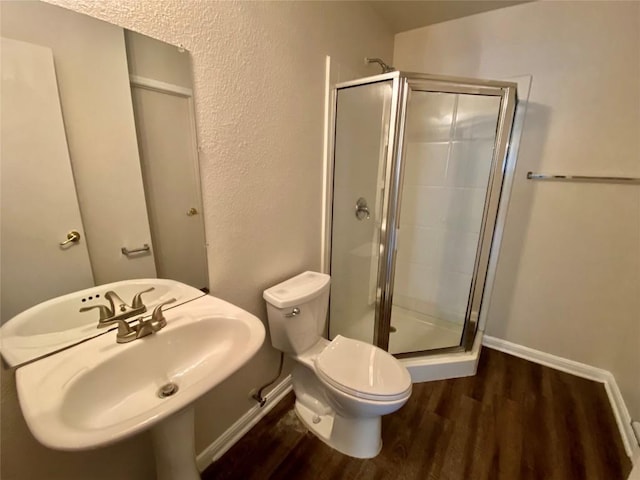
(343, 386)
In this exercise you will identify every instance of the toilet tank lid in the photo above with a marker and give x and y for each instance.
(297, 290)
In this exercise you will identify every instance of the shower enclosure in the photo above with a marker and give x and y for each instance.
(417, 178)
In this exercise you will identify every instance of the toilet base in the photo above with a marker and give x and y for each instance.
(356, 437)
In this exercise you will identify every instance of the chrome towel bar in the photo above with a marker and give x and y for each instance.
(584, 178)
(127, 252)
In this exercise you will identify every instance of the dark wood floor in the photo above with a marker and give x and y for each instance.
(513, 420)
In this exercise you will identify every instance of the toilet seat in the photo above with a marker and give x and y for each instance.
(362, 370)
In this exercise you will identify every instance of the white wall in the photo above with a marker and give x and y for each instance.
(259, 88)
(568, 278)
(93, 81)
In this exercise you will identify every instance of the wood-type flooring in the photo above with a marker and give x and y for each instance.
(513, 420)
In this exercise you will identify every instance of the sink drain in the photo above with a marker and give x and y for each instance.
(167, 390)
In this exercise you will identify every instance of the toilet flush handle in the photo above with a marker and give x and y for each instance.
(293, 313)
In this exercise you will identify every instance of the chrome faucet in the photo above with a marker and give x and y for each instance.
(127, 333)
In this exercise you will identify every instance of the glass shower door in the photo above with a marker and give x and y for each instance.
(417, 179)
(448, 157)
(360, 151)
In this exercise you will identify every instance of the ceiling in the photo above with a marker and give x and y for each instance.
(404, 15)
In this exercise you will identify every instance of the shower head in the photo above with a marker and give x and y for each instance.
(385, 68)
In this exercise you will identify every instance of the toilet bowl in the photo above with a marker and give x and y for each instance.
(343, 386)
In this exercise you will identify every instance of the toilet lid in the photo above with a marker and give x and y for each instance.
(362, 370)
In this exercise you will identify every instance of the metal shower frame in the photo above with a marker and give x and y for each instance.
(403, 83)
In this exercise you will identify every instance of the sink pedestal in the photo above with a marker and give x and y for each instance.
(174, 449)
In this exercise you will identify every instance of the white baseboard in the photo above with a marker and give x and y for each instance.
(245, 423)
(620, 412)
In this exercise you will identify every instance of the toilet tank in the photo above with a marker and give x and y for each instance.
(297, 311)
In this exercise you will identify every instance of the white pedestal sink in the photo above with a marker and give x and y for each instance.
(174, 448)
(100, 392)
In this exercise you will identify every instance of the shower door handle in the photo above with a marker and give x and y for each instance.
(362, 210)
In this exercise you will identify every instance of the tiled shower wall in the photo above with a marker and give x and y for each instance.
(448, 156)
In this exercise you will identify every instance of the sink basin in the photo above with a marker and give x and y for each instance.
(57, 323)
(99, 392)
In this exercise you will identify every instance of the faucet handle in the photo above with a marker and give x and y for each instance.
(157, 317)
(137, 300)
(123, 326)
(105, 312)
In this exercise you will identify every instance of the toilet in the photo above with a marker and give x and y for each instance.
(343, 386)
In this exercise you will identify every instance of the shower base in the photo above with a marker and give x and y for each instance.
(417, 332)
(428, 368)
(414, 332)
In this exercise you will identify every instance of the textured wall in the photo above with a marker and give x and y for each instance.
(568, 278)
(259, 84)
